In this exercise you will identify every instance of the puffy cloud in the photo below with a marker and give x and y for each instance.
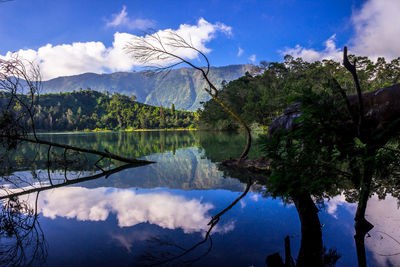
(377, 29)
(81, 57)
(252, 58)
(311, 55)
(122, 19)
(340, 200)
(170, 40)
(240, 52)
(159, 208)
(377, 33)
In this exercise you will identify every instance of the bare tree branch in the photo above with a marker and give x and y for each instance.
(213, 222)
(352, 69)
(162, 53)
(21, 83)
(67, 182)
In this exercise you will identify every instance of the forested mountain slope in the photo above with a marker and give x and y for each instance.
(88, 109)
(183, 87)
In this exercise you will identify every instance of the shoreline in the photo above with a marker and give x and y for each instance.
(117, 131)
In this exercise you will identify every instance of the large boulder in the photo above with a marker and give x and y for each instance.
(381, 110)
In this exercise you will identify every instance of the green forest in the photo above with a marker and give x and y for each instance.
(92, 110)
(260, 98)
(257, 98)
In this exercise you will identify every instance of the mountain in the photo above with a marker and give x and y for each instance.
(184, 87)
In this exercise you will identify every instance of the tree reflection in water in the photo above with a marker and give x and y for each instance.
(312, 252)
(368, 169)
(24, 241)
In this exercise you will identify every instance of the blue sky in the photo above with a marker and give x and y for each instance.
(71, 37)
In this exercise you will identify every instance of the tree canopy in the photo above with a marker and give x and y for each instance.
(260, 98)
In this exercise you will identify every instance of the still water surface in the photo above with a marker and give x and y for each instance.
(155, 213)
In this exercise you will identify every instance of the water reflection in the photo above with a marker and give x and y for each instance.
(163, 213)
(130, 208)
(31, 156)
(22, 238)
(384, 239)
(157, 257)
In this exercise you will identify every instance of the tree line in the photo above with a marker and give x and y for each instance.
(90, 110)
(260, 98)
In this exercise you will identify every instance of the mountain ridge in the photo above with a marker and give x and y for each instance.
(183, 87)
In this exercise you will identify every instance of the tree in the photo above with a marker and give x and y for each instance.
(326, 140)
(21, 83)
(162, 118)
(162, 54)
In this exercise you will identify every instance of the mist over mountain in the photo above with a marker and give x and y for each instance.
(184, 87)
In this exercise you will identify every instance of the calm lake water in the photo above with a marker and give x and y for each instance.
(160, 213)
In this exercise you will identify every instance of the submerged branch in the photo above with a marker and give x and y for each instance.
(71, 182)
(105, 154)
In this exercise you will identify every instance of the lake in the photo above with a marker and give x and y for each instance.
(161, 213)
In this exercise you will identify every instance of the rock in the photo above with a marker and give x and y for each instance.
(286, 120)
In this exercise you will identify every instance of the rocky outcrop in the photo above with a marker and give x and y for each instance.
(286, 120)
(381, 110)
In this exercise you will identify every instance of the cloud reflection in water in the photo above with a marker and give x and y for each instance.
(384, 240)
(160, 208)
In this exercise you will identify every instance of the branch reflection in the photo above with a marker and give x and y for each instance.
(23, 241)
(160, 251)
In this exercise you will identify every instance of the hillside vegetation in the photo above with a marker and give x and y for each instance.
(90, 110)
(261, 98)
(183, 87)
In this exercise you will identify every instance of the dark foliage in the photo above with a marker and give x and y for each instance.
(260, 98)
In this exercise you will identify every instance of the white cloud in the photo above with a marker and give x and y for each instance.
(122, 19)
(311, 55)
(196, 35)
(159, 208)
(81, 57)
(340, 200)
(377, 29)
(252, 58)
(255, 197)
(384, 215)
(377, 33)
(240, 52)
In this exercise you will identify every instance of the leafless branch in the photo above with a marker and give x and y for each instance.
(213, 222)
(20, 83)
(162, 53)
(25, 243)
(352, 69)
